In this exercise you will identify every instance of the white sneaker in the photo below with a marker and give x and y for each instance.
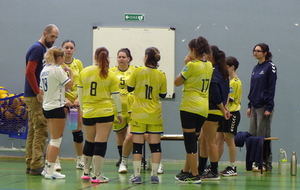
(122, 168)
(44, 172)
(160, 169)
(55, 175)
(99, 179)
(57, 166)
(85, 176)
(80, 164)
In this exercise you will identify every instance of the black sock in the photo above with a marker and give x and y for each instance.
(202, 163)
(120, 151)
(214, 167)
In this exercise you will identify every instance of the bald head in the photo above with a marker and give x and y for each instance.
(50, 27)
(50, 35)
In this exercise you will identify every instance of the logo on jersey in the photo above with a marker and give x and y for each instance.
(231, 90)
(273, 69)
(262, 73)
(185, 69)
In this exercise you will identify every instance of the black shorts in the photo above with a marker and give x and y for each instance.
(55, 113)
(93, 121)
(191, 120)
(230, 125)
(213, 117)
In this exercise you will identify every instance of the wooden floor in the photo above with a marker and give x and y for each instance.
(13, 176)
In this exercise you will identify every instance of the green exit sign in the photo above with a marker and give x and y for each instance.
(134, 17)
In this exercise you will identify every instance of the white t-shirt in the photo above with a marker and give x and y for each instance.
(53, 81)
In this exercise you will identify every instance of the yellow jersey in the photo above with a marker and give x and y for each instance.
(96, 92)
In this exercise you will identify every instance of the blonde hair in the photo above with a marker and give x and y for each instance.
(52, 54)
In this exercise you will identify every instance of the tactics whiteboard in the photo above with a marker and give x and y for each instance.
(138, 40)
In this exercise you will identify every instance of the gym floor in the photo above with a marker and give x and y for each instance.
(13, 176)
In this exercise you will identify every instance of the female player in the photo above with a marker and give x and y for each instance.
(123, 71)
(261, 96)
(98, 92)
(53, 83)
(218, 96)
(228, 128)
(72, 101)
(149, 84)
(195, 77)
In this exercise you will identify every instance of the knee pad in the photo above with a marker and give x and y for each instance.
(154, 148)
(190, 143)
(88, 148)
(137, 148)
(55, 142)
(78, 136)
(100, 148)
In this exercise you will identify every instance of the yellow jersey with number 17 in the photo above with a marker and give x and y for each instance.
(148, 83)
(96, 92)
(197, 75)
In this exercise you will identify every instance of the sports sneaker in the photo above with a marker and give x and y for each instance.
(229, 171)
(44, 172)
(181, 174)
(55, 175)
(135, 179)
(207, 169)
(85, 176)
(190, 179)
(154, 179)
(123, 168)
(210, 176)
(80, 164)
(37, 171)
(160, 169)
(99, 179)
(57, 166)
(256, 169)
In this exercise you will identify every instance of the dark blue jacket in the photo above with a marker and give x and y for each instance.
(219, 89)
(263, 84)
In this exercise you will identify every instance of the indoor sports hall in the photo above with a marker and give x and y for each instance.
(234, 26)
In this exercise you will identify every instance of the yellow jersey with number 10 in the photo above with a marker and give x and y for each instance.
(148, 83)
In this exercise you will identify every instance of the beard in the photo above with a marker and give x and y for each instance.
(48, 44)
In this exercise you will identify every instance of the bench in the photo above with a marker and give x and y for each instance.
(179, 137)
(172, 137)
(262, 150)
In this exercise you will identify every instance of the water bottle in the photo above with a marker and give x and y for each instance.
(293, 164)
(73, 117)
(282, 162)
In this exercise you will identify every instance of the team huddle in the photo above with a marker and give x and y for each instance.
(126, 99)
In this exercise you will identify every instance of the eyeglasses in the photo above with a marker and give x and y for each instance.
(257, 51)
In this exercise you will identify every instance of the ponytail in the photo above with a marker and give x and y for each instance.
(220, 58)
(153, 56)
(52, 54)
(102, 59)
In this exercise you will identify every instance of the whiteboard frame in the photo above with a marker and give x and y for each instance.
(137, 40)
